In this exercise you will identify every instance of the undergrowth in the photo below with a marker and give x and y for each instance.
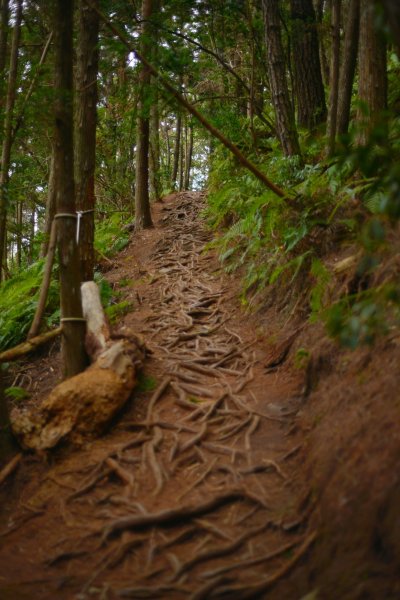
(19, 294)
(18, 301)
(282, 247)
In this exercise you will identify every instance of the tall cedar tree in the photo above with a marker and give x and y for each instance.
(308, 86)
(348, 66)
(284, 116)
(74, 355)
(334, 75)
(8, 136)
(372, 87)
(85, 130)
(154, 136)
(4, 14)
(142, 202)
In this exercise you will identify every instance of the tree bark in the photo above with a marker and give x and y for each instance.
(348, 68)
(4, 14)
(155, 182)
(44, 288)
(189, 155)
(372, 89)
(143, 218)
(334, 76)
(284, 116)
(74, 356)
(7, 135)
(154, 141)
(50, 208)
(18, 222)
(309, 89)
(85, 131)
(177, 147)
(319, 10)
(182, 156)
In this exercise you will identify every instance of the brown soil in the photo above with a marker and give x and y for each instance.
(238, 476)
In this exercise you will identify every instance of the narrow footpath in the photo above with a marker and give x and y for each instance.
(194, 491)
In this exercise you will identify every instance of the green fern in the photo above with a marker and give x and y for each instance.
(322, 278)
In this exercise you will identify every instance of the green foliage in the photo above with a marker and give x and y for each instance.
(360, 318)
(146, 383)
(19, 296)
(269, 237)
(114, 311)
(110, 236)
(301, 358)
(354, 197)
(105, 289)
(16, 393)
(18, 300)
(322, 277)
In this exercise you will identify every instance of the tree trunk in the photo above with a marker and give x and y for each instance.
(154, 157)
(18, 222)
(277, 77)
(372, 88)
(155, 183)
(177, 146)
(309, 89)
(44, 288)
(319, 10)
(50, 207)
(348, 67)
(7, 135)
(182, 156)
(85, 131)
(32, 224)
(189, 155)
(334, 76)
(4, 14)
(74, 355)
(142, 201)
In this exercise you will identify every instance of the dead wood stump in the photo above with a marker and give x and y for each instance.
(84, 405)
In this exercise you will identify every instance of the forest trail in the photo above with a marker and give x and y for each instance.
(193, 493)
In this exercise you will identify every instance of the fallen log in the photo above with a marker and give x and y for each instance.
(29, 346)
(84, 405)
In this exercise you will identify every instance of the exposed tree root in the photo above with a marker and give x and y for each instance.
(177, 515)
(221, 551)
(250, 561)
(248, 591)
(10, 467)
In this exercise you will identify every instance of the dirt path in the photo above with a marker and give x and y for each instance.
(192, 493)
